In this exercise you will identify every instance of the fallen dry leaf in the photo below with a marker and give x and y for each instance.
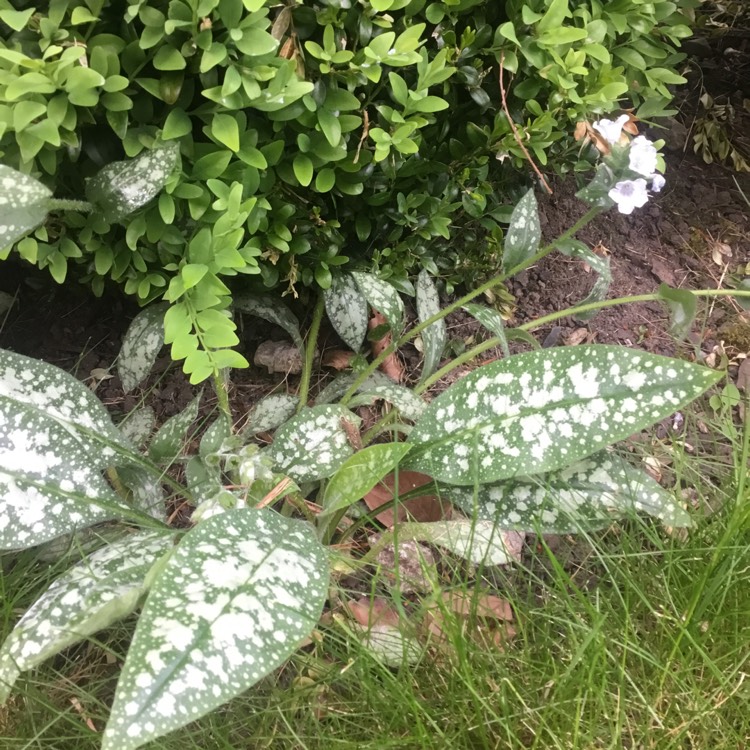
(416, 566)
(374, 611)
(338, 359)
(578, 336)
(720, 251)
(425, 508)
(484, 605)
(391, 365)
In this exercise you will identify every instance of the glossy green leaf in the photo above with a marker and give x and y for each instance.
(360, 473)
(524, 233)
(586, 495)
(314, 444)
(303, 169)
(434, 336)
(24, 204)
(124, 186)
(105, 587)
(142, 342)
(382, 297)
(274, 311)
(56, 439)
(682, 304)
(347, 310)
(233, 602)
(539, 411)
(171, 436)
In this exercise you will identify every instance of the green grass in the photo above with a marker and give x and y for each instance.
(631, 638)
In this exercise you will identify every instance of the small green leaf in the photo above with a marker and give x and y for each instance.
(124, 186)
(586, 495)
(24, 204)
(226, 131)
(542, 410)
(233, 602)
(598, 264)
(314, 444)
(105, 587)
(382, 297)
(303, 169)
(524, 233)
(347, 310)
(742, 301)
(16, 19)
(682, 305)
(168, 441)
(434, 336)
(168, 58)
(140, 345)
(270, 412)
(360, 473)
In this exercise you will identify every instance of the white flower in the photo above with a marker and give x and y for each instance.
(643, 156)
(611, 130)
(657, 183)
(629, 194)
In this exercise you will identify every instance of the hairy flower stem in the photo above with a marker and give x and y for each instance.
(222, 394)
(493, 282)
(312, 340)
(475, 351)
(55, 204)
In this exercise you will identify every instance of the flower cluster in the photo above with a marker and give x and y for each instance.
(630, 194)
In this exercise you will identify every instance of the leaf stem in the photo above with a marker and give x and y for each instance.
(312, 340)
(222, 395)
(495, 281)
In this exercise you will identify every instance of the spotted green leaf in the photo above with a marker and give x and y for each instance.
(382, 297)
(380, 386)
(105, 587)
(434, 336)
(138, 425)
(55, 441)
(360, 473)
(142, 342)
(347, 310)
(315, 443)
(169, 439)
(124, 186)
(270, 412)
(476, 541)
(272, 310)
(524, 233)
(599, 264)
(491, 320)
(588, 494)
(542, 410)
(24, 204)
(233, 602)
(682, 304)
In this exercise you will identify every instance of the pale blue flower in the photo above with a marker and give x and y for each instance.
(611, 130)
(657, 183)
(629, 194)
(642, 156)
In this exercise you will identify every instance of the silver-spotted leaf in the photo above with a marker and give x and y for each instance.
(477, 541)
(542, 410)
(169, 439)
(142, 342)
(347, 310)
(56, 439)
(24, 204)
(682, 304)
(124, 186)
(138, 425)
(235, 599)
(586, 495)
(270, 412)
(315, 443)
(524, 233)
(360, 473)
(491, 320)
(272, 310)
(434, 336)
(103, 588)
(382, 297)
(145, 488)
(599, 264)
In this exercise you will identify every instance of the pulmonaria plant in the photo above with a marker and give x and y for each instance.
(518, 444)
